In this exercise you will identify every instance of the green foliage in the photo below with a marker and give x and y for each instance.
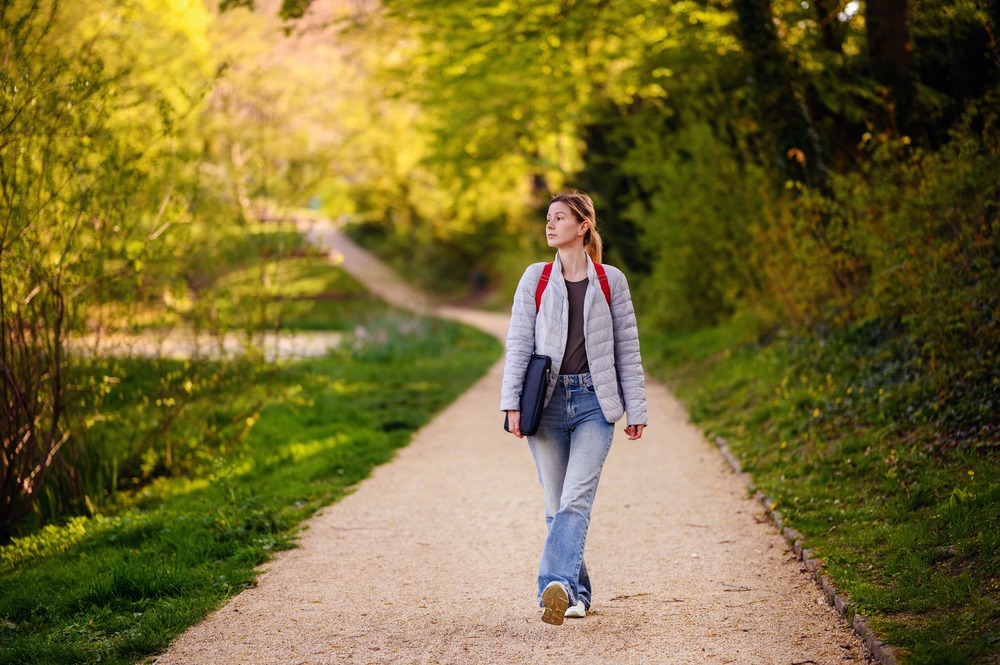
(121, 585)
(911, 238)
(146, 418)
(116, 221)
(694, 223)
(492, 105)
(288, 123)
(153, 418)
(785, 122)
(255, 277)
(90, 147)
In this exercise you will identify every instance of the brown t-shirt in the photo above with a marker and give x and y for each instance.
(575, 357)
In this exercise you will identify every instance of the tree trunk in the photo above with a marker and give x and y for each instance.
(826, 11)
(783, 111)
(993, 7)
(891, 56)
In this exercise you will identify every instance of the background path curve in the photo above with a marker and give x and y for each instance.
(386, 284)
(433, 559)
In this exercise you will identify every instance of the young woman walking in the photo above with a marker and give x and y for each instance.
(585, 323)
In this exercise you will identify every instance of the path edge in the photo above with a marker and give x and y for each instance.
(881, 652)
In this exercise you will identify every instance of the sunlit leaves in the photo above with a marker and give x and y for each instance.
(94, 146)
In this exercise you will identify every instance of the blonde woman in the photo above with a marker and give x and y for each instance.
(579, 313)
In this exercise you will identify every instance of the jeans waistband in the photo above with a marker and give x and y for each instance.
(576, 380)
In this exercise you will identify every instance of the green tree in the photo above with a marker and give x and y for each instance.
(88, 147)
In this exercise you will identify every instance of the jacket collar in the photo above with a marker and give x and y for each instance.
(557, 275)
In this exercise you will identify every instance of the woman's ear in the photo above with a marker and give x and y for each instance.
(584, 228)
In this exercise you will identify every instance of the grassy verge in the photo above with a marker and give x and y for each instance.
(137, 420)
(263, 275)
(903, 508)
(302, 293)
(118, 586)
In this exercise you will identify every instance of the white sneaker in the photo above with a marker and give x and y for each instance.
(578, 611)
(555, 600)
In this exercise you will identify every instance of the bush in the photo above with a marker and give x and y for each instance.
(90, 168)
(910, 241)
(696, 225)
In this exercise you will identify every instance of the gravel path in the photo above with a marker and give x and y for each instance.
(433, 559)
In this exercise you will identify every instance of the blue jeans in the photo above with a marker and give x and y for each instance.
(570, 447)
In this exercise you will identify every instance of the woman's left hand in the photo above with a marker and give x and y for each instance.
(634, 432)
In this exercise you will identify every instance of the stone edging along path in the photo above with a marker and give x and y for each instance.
(880, 651)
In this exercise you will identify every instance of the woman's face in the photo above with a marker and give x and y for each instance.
(562, 228)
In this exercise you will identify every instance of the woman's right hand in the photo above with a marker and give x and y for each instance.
(514, 423)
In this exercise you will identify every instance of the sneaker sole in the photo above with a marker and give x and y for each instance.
(556, 602)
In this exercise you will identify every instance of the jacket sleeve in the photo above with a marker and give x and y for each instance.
(520, 338)
(628, 360)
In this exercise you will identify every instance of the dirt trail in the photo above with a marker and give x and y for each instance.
(433, 558)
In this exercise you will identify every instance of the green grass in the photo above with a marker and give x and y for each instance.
(899, 499)
(128, 414)
(300, 293)
(251, 277)
(118, 586)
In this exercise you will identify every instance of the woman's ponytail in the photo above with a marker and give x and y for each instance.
(592, 243)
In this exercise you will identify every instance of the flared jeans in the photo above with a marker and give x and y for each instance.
(570, 447)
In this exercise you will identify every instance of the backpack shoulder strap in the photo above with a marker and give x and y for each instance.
(543, 281)
(603, 277)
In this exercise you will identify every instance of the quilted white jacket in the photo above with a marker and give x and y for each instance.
(612, 340)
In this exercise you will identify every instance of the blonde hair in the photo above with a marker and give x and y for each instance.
(583, 207)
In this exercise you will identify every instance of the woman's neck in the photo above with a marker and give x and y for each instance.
(574, 264)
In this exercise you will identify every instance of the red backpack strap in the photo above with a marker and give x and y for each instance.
(603, 277)
(543, 281)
